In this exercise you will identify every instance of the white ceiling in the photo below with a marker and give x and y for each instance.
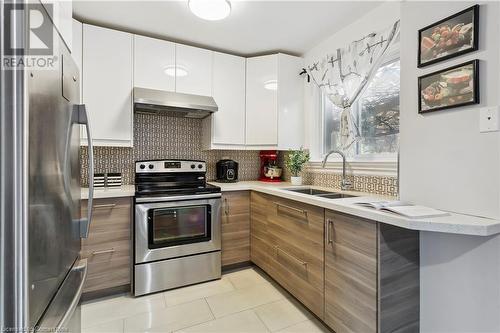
(254, 27)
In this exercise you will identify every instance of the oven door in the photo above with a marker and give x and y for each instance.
(181, 226)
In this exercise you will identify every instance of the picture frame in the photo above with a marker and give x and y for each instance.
(449, 88)
(450, 37)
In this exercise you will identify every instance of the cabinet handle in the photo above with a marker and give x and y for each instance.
(226, 207)
(107, 206)
(329, 231)
(103, 252)
(300, 211)
(303, 263)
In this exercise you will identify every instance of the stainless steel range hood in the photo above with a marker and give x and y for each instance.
(173, 104)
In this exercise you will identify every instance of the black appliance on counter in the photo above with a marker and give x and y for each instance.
(227, 171)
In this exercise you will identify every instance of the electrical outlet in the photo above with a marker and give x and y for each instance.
(489, 119)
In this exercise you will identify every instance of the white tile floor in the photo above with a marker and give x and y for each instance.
(242, 301)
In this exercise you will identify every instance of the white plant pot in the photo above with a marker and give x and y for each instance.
(296, 180)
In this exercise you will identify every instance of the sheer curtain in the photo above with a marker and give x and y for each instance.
(343, 74)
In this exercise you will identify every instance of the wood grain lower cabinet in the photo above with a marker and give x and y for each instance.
(350, 274)
(371, 276)
(108, 246)
(287, 242)
(235, 227)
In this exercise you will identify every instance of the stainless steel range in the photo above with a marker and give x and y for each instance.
(177, 231)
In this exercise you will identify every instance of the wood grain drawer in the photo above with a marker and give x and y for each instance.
(108, 247)
(108, 267)
(287, 243)
(235, 227)
(298, 230)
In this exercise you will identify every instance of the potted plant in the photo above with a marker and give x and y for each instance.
(294, 162)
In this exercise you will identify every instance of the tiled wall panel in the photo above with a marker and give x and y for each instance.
(163, 137)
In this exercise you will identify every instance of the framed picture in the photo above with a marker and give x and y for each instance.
(455, 35)
(448, 88)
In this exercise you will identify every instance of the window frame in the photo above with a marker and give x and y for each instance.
(377, 163)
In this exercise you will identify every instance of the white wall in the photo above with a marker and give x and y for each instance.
(380, 18)
(444, 161)
(459, 283)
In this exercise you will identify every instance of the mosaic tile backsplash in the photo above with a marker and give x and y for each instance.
(163, 137)
(370, 184)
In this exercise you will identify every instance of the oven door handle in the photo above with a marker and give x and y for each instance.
(179, 198)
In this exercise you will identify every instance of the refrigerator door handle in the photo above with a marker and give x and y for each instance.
(60, 314)
(81, 116)
(82, 268)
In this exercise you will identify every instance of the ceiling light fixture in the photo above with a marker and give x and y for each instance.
(176, 71)
(271, 85)
(211, 10)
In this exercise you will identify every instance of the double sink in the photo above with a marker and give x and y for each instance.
(319, 193)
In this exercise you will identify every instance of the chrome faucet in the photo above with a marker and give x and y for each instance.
(345, 184)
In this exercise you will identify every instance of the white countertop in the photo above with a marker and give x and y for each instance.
(453, 223)
(102, 193)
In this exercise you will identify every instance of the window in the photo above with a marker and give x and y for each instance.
(376, 114)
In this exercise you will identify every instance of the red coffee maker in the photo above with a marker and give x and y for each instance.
(269, 170)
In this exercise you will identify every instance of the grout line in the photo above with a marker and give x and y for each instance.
(250, 308)
(123, 325)
(209, 308)
(284, 328)
(164, 298)
(262, 321)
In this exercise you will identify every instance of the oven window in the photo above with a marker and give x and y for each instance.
(179, 225)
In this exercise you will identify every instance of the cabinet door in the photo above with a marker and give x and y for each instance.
(194, 70)
(229, 94)
(107, 248)
(261, 101)
(235, 227)
(107, 85)
(76, 52)
(290, 103)
(350, 273)
(154, 63)
(261, 243)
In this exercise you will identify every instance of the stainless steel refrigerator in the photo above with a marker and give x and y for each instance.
(41, 274)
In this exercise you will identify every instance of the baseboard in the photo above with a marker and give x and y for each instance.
(236, 266)
(93, 295)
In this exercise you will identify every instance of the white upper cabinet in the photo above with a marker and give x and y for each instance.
(274, 112)
(154, 63)
(194, 70)
(76, 51)
(107, 84)
(226, 127)
(290, 102)
(262, 101)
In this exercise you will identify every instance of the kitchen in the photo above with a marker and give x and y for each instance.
(337, 175)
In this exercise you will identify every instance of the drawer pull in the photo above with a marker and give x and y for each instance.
(107, 206)
(226, 207)
(300, 211)
(303, 263)
(329, 231)
(103, 252)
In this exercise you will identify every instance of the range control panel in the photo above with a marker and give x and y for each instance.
(157, 166)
